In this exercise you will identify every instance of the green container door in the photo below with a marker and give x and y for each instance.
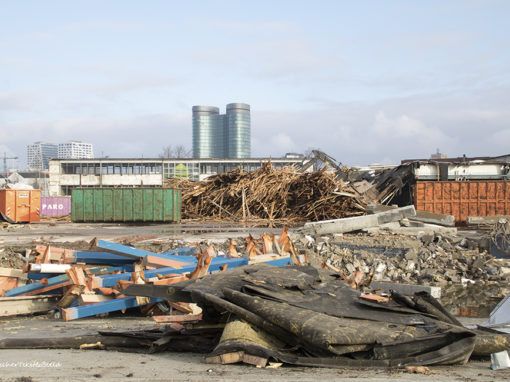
(126, 205)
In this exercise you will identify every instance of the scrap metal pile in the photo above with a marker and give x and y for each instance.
(267, 193)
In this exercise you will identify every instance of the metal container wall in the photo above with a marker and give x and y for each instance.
(463, 199)
(21, 206)
(126, 205)
(55, 206)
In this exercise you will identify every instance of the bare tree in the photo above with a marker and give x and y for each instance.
(178, 151)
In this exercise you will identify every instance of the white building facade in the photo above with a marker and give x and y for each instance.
(75, 150)
(66, 174)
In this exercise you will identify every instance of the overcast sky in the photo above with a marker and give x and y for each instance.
(365, 81)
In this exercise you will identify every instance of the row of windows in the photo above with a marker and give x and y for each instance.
(111, 169)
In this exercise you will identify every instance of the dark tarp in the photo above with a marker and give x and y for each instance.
(321, 321)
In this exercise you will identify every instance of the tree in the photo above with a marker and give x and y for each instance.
(178, 151)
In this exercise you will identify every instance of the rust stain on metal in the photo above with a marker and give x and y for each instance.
(463, 199)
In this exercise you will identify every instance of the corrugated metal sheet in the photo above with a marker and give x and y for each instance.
(55, 206)
(463, 199)
(20, 206)
(126, 205)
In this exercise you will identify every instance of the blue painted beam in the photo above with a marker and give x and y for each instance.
(122, 250)
(280, 262)
(135, 253)
(100, 258)
(37, 285)
(39, 276)
(110, 269)
(101, 307)
(55, 280)
(216, 263)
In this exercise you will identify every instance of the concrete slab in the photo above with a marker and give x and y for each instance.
(358, 222)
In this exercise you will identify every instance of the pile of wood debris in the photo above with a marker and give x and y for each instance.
(278, 195)
(84, 283)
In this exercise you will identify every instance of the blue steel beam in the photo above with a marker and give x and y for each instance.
(56, 280)
(100, 258)
(216, 263)
(135, 253)
(102, 307)
(53, 281)
(130, 302)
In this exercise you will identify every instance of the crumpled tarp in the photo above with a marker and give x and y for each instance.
(306, 316)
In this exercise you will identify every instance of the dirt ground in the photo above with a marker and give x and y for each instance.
(81, 365)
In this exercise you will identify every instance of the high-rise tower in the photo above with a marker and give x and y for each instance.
(218, 135)
(238, 130)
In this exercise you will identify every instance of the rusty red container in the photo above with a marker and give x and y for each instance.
(55, 206)
(463, 199)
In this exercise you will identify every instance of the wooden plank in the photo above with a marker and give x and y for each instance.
(12, 272)
(254, 360)
(10, 306)
(235, 357)
(8, 283)
(160, 262)
(227, 358)
(267, 257)
(168, 281)
(85, 299)
(178, 318)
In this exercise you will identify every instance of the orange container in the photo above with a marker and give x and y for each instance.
(21, 206)
(463, 199)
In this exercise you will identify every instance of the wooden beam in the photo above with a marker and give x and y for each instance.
(178, 318)
(10, 306)
(12, 272)
(85, 299)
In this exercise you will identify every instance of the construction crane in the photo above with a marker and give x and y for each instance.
(5, 162)
(317, 157)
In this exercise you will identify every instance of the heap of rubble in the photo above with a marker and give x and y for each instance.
(441, 260)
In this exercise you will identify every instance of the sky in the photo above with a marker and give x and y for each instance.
(364, 81)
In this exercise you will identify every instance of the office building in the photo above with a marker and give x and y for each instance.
(66, 174)
(218, 135)
(39, 154)
(75, 150)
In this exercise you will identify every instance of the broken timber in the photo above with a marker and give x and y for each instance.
(10, 306)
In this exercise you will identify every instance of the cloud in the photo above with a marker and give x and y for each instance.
(354, 133)
(134, 84)
(289, 58)
(394, 129)
(273, 59)
(247, 27)
(19, 100)
(123, 137)
(103, 25)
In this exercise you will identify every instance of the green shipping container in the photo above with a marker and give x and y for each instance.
(126, 205)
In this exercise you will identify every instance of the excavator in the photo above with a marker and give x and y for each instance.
(318, 156)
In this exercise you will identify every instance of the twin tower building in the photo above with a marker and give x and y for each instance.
(218, 135)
